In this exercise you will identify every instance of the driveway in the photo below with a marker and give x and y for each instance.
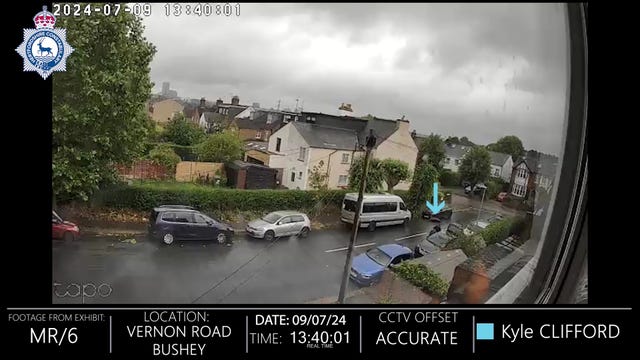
(288, 270)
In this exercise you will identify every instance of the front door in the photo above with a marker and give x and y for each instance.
(297, 222)
(284, 226)
(185, 226)
(202, 229)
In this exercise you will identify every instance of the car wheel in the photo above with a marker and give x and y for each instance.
(304, 232)
(167, 239)
(221, 238)
(269, 235)
(406, 221)
(68, 236)
(372, 226)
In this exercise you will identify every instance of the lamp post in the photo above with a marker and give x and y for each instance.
(481, 202)
(370, 143)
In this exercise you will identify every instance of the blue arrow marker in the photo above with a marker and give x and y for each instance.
(438, 206)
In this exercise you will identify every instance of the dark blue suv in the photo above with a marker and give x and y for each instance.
(179, 222)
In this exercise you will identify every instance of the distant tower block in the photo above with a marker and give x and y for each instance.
(165, 88)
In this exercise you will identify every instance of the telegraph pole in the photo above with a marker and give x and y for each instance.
(370, 143)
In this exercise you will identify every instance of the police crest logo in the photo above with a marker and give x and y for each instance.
(44, 48)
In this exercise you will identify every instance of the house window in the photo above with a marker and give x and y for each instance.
(308, 118)
(345, 158)
(518, 190)
(496, 173)
(300, 175)
(457, 162)
(293, 176)
(447, 160)
(303, 153)
(278, 143)
(342, 180)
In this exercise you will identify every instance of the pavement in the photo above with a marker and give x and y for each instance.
(128, 268)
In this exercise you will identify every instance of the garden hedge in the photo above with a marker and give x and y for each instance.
(423, 277)
(145, 195)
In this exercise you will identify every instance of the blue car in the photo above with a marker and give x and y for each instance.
(367, 268)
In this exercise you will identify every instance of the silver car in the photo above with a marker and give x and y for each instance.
(279, 223)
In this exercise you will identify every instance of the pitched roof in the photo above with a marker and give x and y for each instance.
(327, 137)
(497, 158)
(258, 123)
(382, 129)
(456, 151)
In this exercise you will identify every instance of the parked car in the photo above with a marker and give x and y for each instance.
(178, 222)
(433, 243)
(444, 214)
(367, 268)
(455, 229)
(440, 239)
(502, 196)
(495, 218)
(279, 223)
(61, 229)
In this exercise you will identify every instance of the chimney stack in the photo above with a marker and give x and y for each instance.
(235, 100)
(202, 102)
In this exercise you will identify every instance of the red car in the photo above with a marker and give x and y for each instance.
(61, 229)
(502, 196)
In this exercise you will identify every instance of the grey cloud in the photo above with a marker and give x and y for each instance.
(219, 57)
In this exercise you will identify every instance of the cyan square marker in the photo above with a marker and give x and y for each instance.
(484, 331)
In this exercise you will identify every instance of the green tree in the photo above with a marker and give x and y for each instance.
(222, 147)
(99, 112)
(318, 178)
(422, 186)
(433, 148)
(510, 144)
(476, 165)
(164, 155)
(375, 176)
(181, 131)
(394, 171)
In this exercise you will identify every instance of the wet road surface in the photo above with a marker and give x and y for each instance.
(252, 271)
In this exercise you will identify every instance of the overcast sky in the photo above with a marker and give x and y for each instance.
(476, 70)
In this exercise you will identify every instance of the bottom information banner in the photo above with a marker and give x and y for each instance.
(259, 332)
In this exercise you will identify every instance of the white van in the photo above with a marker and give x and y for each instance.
(377, 210)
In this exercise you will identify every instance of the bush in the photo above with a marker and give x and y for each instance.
(164, 155)
(423, 277)
(497, 231)
(145, 195)
(450, 178)
(496, 186)
(186, 153)
(469, 244)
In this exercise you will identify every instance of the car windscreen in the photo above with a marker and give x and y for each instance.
(379, 256)
(439, 239)
(271, 218)
(349, 205)
(428, 247)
